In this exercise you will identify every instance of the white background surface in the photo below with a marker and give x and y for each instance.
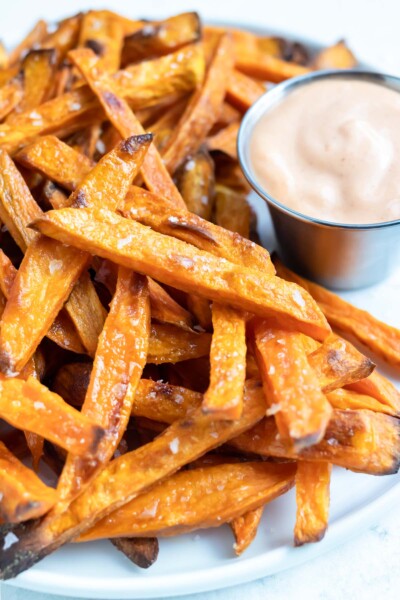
(367, 567)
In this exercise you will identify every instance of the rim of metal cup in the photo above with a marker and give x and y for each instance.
(273, 97)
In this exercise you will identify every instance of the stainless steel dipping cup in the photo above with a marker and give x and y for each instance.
(339, 256)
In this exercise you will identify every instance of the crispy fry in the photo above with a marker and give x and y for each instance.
(143, 552)
(201, 310)
(11, 93)
(23, 495)
(64, 37)
(349, 399)
(312, 497)
(124, 120)
(163, 402)
(151, 210)
(103, 33)
(232, 211)
(338, 56)
(359, 440)
(245, 529)
(30, 405)
(193, 500)
(379, 337)
(242, 91)
(4, 58)
(291, 387)
(172, 344)
(162, 37)
(196, 183)
(203, 109)
(380, 388)
(60, 266)
(35, 36)
(86, 312)
(225, 140)
(338, 363)
(117, 368)
(39, 68)
(135, 471)
(165, 309)
(171, 261)
(224, 397)
(144, 84)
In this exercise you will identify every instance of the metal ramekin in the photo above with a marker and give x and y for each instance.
(339, 256)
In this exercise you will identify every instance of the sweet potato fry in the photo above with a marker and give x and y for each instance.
(379, 337)
(170, 344)
(155, 212)
(17, 206)
(338, 363)
(163, 402)
(39, 68)
(134, 471)
(196, 183)
(86, 312)
(164, 308)
(143, 552)
(380, 388)
(60, 266)
(23, 495)
(244, 529)
(119, 361)
(338, 56)
(349, 399)
(225, 140)
(144, 84)
(312, 498)
(232, 211)
(203, 109)
(35, 36)
(242, 91)
(171, 261)
(224, 397)
(124, 120)
(291, 387)
(30, 405)
(201, 310)
(103, 33)
(162, 37)
(11, 93)
(4, 58)
(64, 37)
(193, 500)
(54, 159)
(359, 440)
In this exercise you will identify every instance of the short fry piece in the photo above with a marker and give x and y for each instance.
(242, 91)
(11, 94)
(39, 68)
(312, 497)
(338, 56)
(102, 33)
(196, 183)
(349, 399)
(380, 388)
(232, 211)
(30, 405)
(170, 344)
(197, 499)
(143, 552)
(379, 337)
(172, 261)
(225, 140)
(224, 397)
(245, 529)
(291, 387)
(23, 495)
(203, 109)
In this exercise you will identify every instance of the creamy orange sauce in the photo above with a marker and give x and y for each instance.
(331, 150)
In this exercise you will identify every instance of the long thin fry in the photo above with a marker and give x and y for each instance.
(173, 262)
(124, 120)
(135, 471)
(312, 497)
(101, 32)
(197, 499)
(224, 397)
(23, 495)
(380, 388)
(30, 405)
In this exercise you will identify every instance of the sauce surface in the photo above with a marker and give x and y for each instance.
(331, 150)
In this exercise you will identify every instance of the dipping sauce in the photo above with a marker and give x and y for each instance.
(331, 150)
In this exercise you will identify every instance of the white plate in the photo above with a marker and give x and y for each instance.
(205, 561)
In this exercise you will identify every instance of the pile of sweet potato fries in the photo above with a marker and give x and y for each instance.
(170, 375)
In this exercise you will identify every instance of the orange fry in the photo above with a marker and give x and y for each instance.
(224, 397)
(23, 495)
(31, 406)
(35, 36)
(11, 93)
(102, 33)
(242, 91)
(245, 529)
(171, 261)
(170, 344)
(312, 497)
